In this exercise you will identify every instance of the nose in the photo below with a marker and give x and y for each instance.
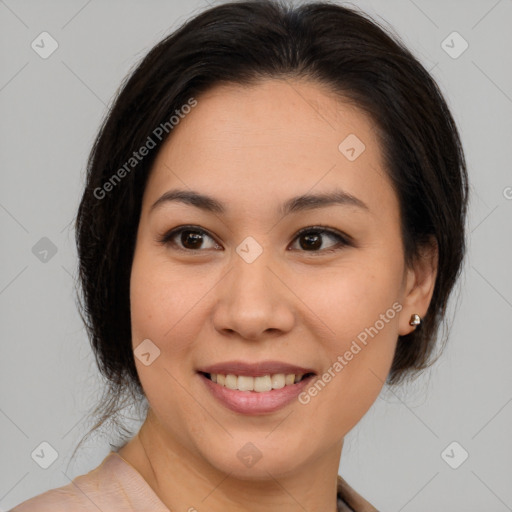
(253, 302)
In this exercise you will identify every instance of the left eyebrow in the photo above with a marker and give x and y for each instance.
(293, 205)
(313, 201)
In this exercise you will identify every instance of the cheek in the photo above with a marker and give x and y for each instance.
(164, 302)
(353, 296)
(162, 310)
(371, 315)
(360, 307)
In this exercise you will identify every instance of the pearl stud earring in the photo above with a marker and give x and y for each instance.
(415, 320)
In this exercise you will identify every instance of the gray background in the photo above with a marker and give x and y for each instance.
(50, 112)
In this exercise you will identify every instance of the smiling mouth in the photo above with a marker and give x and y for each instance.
(258, 384)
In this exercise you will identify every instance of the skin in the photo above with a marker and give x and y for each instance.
(252, 148)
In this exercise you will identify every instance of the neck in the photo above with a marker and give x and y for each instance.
(183, 480)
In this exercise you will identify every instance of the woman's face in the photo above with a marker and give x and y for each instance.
(240, 285)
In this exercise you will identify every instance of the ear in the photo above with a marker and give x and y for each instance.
(419, 282)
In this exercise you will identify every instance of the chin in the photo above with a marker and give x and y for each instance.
(256, 459)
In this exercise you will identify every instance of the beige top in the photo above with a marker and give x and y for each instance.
(116, 486)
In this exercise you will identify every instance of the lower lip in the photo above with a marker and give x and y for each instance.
(252, 402)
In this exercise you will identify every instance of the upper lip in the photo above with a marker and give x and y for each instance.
(254, 369)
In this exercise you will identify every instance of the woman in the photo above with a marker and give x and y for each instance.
(271, 228)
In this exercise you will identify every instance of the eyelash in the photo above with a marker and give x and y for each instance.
(343, 240)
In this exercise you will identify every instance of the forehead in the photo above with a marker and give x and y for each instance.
(276, 137)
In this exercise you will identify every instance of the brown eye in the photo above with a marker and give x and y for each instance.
(189, 239)
(312, 240)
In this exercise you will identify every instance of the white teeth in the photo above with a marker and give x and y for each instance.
(278, 381)
(231, 382)
(262, 383)
(245, 383)
(258, 384)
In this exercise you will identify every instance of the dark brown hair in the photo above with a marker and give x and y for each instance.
(241, 43)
